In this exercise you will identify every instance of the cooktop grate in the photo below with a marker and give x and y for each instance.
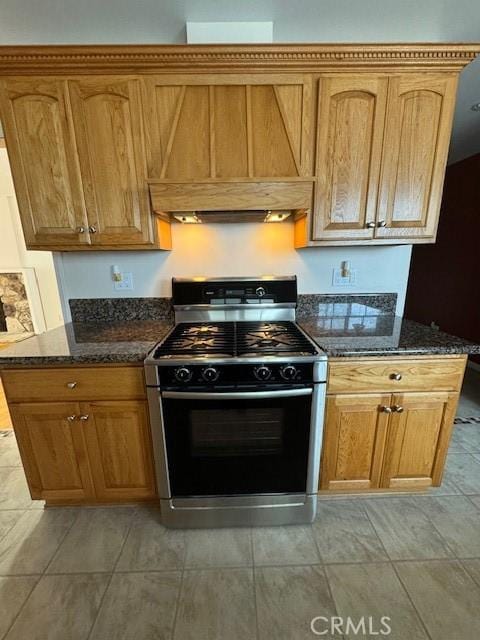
(235, 339)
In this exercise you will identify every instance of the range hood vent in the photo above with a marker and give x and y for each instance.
(231, 216)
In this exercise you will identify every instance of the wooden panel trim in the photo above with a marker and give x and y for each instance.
(2, 143)
(228, 195)
(103, 58)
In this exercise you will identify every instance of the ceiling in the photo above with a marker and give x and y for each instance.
(163, 21)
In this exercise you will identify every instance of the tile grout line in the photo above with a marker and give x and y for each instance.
(179, 594)
(23, 512)
(325, 572)
(448, 546)
(254, 574)
(453, 556)
(107, 586)
(465, 567)
(180, 588)
(61, 542)
(407, 593)
(372, 524)
(39, 576)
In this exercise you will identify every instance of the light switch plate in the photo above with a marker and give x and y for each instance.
(339, 281)
(126, 283)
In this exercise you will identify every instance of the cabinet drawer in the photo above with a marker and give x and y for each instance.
(90, 383)
(382, 376)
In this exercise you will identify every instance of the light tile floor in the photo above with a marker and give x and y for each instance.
(117, 573)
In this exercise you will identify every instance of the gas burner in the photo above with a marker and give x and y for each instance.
(203, 330)
(196, 339)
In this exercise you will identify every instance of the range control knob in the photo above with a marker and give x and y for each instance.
(260, 291)
(182, 374)
(210, 374)
(288, 372)
(262, 373)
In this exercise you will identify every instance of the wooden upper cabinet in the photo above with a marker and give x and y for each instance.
(42, 155)
(351, 115)
(53, 450)
(354, 440)
(228, 126)
(107, 117)
(417, 136)
(418, 439)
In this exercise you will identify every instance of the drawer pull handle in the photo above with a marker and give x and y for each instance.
(397, 408)
(370, 225)
(395, 376)
(84, 417)
(71, 418)
(71, 385)
(385, 409)
(381, 223)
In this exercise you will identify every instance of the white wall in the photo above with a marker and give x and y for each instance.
(13, 253)
(235, 250)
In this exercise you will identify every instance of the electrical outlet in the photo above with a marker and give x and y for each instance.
(340, 281)
(125, 284)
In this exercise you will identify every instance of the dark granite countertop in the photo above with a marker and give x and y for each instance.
(88, 343)
(376, 334)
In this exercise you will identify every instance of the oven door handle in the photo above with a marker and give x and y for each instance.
(237, 395)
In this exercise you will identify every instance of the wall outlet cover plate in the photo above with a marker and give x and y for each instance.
(339, 281)
(125, 284)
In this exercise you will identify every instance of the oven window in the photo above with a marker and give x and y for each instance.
(236, 432)
(237, 447)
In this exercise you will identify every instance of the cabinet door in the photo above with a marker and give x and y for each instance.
(52, 447)
(43, 161)
(351, 119)
(119, 449)
(419, 118)
(108, 126)
(354, 439)
(228, 126)
(418, 439)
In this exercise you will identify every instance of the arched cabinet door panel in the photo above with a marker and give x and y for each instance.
(108, 126)
(417, 135)
(43, 159)
(351, 115)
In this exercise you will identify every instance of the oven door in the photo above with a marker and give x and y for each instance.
(227, 444)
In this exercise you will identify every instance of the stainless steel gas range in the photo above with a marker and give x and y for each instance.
(236, 394)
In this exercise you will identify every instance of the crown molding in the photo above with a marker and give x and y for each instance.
(72, 59)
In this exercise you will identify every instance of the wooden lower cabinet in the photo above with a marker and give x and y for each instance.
(418, 439)
(119, 450)
(74, 452)
(52, 445)
(391, 441)
(354, 441)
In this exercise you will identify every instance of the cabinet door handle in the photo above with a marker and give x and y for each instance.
(84, 417)
(71, 418)
(385, 409)
(370, 225)
(395, 376)
(80, 229)
(71, 385)
(397, 408)
(92, 229)
(382, 223)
